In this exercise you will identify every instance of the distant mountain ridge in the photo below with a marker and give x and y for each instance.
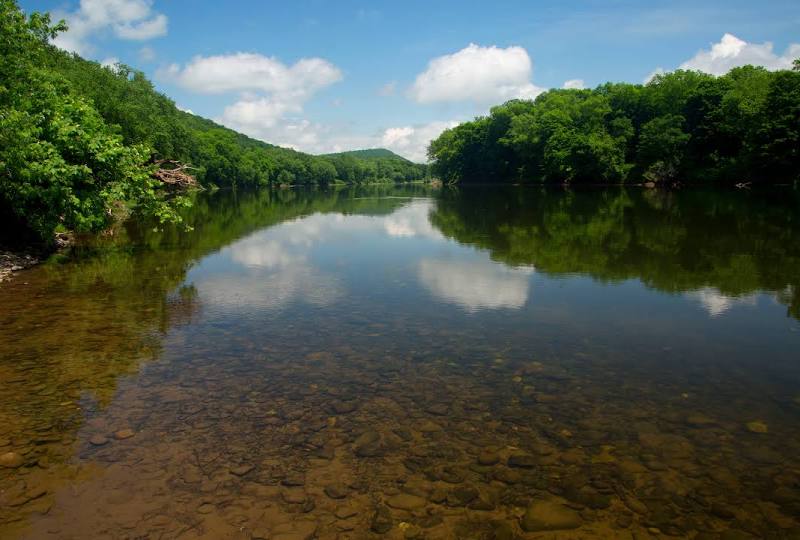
(370, 153)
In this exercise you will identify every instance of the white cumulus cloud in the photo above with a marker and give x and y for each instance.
(126, 19)
(412, 141)
(271, 93)
(484, 75)
(253, 72)
(254, 115)
(577, 84)
(110, 62)
(731, 52)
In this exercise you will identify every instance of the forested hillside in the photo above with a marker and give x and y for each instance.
(681, 127)
(126, 98)
(79, 141)
(370, 153)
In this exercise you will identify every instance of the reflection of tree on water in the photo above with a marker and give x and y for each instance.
(79, 323)
(734, 243)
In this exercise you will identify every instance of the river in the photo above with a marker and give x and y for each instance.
(419, 363)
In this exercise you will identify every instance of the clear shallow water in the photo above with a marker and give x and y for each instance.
(414, 363)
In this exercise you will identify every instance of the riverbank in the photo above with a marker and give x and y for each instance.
(11, 263)
(14, 261)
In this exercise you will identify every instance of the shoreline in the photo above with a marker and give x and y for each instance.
(12, 263)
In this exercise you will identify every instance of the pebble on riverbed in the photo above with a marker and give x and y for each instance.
(11, 460)
(757, 426)
(98, 440)
(549, 516)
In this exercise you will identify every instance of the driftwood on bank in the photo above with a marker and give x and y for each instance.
(174, 174)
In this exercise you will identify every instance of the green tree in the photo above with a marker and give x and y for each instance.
(682, 125)
(60, 164)
(661, 145)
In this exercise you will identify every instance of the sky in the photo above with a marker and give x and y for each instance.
(326, 76)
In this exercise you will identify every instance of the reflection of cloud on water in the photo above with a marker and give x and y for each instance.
(411, 220)
(272, 290)
(273, 267)
(263, 254)
(276, 273)
(717, 303)
(476, 285)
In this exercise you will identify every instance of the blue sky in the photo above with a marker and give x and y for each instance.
(324, 76)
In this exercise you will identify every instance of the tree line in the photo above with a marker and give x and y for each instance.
(684, 127)
(79, 141)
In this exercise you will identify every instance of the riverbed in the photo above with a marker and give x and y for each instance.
(414, 363)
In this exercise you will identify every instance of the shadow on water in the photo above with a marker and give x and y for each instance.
(359, 362)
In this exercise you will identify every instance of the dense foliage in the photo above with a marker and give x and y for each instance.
(684, 126)
(375, 163)
(78, 140)
(61, 163)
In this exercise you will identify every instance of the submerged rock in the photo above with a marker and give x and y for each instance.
(205, 508)
(345, 512)
(295, 530)
(124, 434)
(428, 426)
(699, 420)
(294, 496)
(438, 409)
(507, 476)
(428, 522)
(488, 457)
(381, 520)
(437, 496)
(11, 460)
(522, 461)
(241, 470)
(411, 531)
(336, 491)
(462, 496)
(757, 426)
(344, 407)
(404, 434)
(98, 440)
(501, 530)
(368, 444)
(452, 475)
(294, 479)
(405, 501)
(549, 516)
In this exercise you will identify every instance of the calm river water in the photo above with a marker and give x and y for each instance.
(412, 363)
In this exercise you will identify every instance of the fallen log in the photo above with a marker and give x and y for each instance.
(174, 174)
